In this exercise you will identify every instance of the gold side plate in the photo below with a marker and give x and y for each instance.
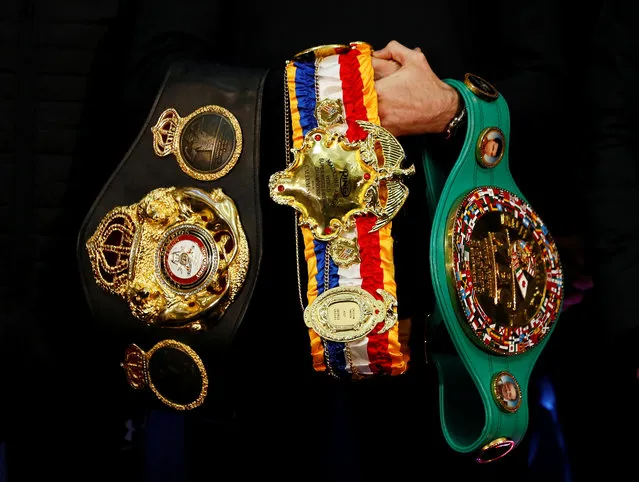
(179, 257)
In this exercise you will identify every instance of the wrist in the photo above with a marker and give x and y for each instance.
(455, 114)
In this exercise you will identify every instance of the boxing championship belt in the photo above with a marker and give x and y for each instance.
(343, 179)
(170, 250)
(497, 279)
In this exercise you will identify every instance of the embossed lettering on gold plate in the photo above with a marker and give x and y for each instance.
(207, 143)
(178, 257)
(348, 313)
(331, 180)
(505, 270)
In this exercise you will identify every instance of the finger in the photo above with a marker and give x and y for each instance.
(382, 68)
(394, 51)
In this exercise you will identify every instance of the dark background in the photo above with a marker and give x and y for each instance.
(59, 71)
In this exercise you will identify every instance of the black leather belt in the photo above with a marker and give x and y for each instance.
(170, 250)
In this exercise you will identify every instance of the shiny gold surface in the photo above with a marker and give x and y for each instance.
(331, 180)
(322, 51)
(501, 250)
(344, 252)
(134, 254)
(503, 269)
(329, 112)
(348, 313)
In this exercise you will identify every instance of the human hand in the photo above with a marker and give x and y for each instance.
(411, 98)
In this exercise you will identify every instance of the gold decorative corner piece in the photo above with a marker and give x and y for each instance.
(178, 257)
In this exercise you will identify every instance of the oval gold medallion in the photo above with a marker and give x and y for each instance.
(207, 143)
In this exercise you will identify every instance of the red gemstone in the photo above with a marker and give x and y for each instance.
(318, 137)
(367, 176)
(377, 312)
(280, 188)
(328, 230)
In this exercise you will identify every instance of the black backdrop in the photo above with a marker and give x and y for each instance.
(58, 74)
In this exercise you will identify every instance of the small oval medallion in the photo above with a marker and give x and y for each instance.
(344, 252)
(491, 146)
(480, 87)
(207, 143)
(348, 313)
(506, 391)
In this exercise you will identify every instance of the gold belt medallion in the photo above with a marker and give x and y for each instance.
(178, 257)
(206, 143)
(331, 180)
(505, 269)
(348, 313)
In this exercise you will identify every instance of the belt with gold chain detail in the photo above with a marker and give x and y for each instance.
(344, 180)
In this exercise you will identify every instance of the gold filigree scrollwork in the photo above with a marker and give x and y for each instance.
(178, 257)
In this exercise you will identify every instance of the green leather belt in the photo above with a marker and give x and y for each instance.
(497, 279)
